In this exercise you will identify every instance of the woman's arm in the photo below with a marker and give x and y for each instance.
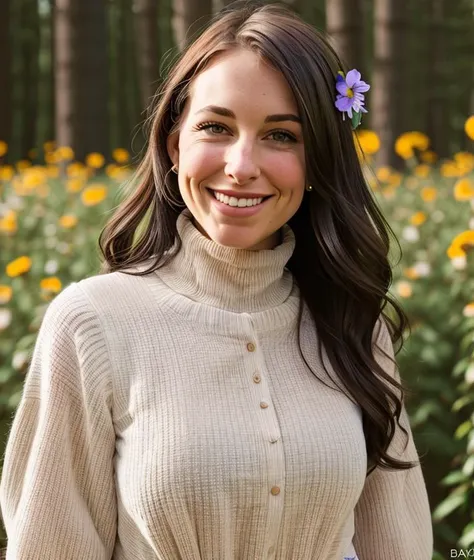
(57, 491)
(392, 516)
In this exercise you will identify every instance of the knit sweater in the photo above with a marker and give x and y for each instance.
(171, 416)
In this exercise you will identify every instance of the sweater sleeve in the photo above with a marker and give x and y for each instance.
(57, 492)
(392, 516)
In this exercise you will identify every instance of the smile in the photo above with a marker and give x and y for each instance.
(232, 207)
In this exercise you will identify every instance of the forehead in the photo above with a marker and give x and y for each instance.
(241, 76)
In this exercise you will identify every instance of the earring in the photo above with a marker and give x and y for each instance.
(309, 188)
(174, 169)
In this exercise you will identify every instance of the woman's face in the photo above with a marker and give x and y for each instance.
(240, 132)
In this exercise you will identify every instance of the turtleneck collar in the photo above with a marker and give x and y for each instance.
(228, 278)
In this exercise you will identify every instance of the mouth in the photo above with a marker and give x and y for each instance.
(237, 211)
(264, 198)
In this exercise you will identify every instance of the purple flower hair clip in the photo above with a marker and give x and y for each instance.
(350, 97)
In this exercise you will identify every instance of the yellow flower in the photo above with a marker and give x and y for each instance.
(449, 168)
(461, 244)
(369, 141)
(469, 127)
(422, 170)
(3, 148)
(383, 173)
(395, 179)
(463, 189)
(468, 310)
(411, 273)
(7, 172)
(51, 284)
(418, 218)
(52, 171)
(68, 221)
(51, 158)
(112, 170)
(33, 177)
(74, 185)
(429, 193)
(408, 140)
(6, 293)
(19, 266)
(404, 289)
(454, 252)
(23, 164)
(429, 156)
(94, 194)
(120, 155)
(464, 162)
(49, 146)
(64, 152)
(77, 170)
(95, 160)
(8, 223)
(43, 190)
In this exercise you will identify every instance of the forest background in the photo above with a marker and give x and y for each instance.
(76, 79)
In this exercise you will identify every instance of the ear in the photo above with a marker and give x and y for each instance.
(172, 145)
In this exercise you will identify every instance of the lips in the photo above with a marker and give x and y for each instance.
(212, 191)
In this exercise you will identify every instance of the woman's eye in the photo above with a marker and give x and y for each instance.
(285, 135)
(205, 126)
(282, 136)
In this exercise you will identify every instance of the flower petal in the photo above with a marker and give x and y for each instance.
(352, 77)
(343, 103)
(361, 86)
(342, 87)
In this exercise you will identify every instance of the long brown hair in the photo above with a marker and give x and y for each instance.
(340, 261)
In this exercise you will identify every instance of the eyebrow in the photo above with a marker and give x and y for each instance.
(228, 113)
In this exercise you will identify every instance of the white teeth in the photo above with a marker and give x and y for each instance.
(240, 202)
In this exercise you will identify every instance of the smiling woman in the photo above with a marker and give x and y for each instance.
(227, 386)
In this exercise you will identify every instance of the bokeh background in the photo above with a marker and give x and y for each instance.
(76, 79)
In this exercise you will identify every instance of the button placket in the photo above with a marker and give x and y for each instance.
(274, 454)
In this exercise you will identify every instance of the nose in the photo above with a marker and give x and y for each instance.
(241, 164)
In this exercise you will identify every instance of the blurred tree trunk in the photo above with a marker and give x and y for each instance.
(345, 25)
(81, 76)
(148, 55)
(312, 11)
(189, 17)
(389, 88)
(436, 94)
(50, 90)
(30, 43)
(6, 108)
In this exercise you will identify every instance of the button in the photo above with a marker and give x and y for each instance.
(251, 347)
(271, 550)
(263, 405)
(257, 378)
(273, 439)
(275, 490)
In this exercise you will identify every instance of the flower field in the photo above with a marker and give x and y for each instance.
(51, 212)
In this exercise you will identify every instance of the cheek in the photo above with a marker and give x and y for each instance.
(286, 170)
(200, 159)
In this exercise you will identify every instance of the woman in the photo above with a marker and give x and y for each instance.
(226, 388)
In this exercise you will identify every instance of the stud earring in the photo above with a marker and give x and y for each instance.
(174, 169)
(309, 188)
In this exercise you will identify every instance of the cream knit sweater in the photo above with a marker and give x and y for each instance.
(172, 417)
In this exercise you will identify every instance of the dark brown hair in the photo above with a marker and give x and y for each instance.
(340, 261)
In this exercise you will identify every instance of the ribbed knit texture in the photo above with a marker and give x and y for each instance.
(171, 417)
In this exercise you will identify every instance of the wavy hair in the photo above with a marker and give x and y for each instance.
(340, 261)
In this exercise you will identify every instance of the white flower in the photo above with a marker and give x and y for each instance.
(63, 248)
(5, 318)
(51, 267)
(15, 202)
(49, 230)
(411, 234)
(20, 359)
(459, 263)
(437, 216)
(50, 242)
(422, 268)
